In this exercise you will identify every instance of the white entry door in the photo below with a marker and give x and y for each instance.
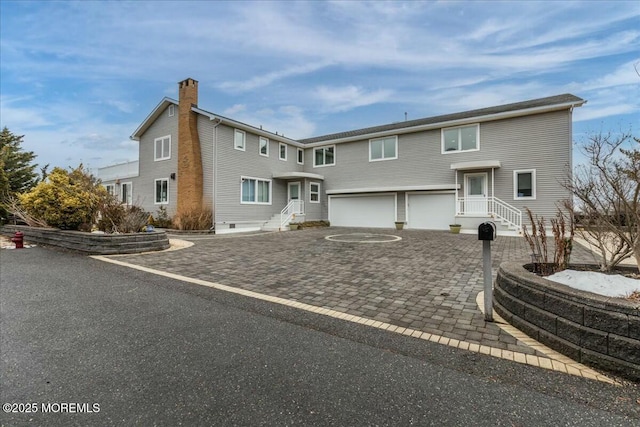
(293, 192)
(475, 194)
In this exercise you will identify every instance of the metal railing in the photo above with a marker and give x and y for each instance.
(490, 206)
(294, 207)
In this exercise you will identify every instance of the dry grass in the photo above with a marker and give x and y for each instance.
(194, 219)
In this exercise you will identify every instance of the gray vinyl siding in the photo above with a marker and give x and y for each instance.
(206, 135)
(150, 170)
(541, 142)
(233, 164)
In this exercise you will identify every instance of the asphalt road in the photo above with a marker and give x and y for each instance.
(139, 349)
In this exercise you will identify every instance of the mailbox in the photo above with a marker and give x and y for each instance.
(487, 231)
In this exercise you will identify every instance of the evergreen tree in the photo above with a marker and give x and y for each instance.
(18, 172)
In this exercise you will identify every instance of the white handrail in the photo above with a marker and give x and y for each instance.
(293, 207)
(491, 206)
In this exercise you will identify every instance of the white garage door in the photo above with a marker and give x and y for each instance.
(362, 211)
(431, 211)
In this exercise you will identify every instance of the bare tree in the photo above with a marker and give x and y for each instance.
(607, 192)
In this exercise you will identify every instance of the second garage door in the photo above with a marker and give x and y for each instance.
(377, 211)
(430, 211)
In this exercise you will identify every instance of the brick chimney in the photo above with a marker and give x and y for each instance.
(190, 185)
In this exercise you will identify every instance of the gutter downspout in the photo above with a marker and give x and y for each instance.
(215, 169)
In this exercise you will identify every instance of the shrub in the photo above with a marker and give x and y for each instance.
(162, 218)
(194, 219)
(66, 199)
(538, 242)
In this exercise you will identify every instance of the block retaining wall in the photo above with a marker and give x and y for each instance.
(595, 330)
(90, 243)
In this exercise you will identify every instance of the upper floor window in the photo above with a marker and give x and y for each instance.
(126, 193)
(239, 140)
(524, 184)
(324, 156)
(283, 151)
(264, 146)
(161, 191)
(172, 110)
(383, 148)
(162, 148)
(300, 156)
(255, 190)
(462, 138)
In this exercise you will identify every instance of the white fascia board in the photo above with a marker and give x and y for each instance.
(393, 189)
(480, 164)
(155, 113)
(249, 128)
(451, 123)
(293, 175)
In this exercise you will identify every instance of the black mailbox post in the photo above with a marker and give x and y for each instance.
(487, 233)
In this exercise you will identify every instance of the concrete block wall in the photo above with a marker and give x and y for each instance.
(599, 331)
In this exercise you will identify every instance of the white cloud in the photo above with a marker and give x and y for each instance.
(349, 97)
(234, 109)
(287, 120)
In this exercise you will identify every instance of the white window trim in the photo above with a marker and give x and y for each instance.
(312, 192)
(300, 162)
(260, 139)
(155, 148)
(322, 148)
(533, 184)
(244, 140)
(113, 189)
(442, 150)
(155, 202)
(286, 151)
(383, 158)
(129, 200)
(242, 178)
(172, 110)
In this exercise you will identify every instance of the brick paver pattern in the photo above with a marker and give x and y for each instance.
(427, 281)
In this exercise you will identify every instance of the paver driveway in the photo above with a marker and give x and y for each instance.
(427, 281)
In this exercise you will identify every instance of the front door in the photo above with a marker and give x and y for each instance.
(475, 194)
(293, 192)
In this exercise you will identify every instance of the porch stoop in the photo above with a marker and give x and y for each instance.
(273, 224)
(470, 225)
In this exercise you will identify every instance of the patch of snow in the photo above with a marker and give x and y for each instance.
(610, 285)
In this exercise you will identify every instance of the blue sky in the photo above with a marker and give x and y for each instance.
(77, 78)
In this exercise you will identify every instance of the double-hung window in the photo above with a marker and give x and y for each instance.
(126, 193)
(314, 192)
(462, 138)
(324, 156)
(264, 146)
(162, 148)
(300, 156)
(383, 148)
(239, 140)
(111, 189)
(161, 191)
(283, 151)
(524, 184)
(255, 191)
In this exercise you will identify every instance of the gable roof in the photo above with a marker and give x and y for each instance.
(155, 113)
(539, 105)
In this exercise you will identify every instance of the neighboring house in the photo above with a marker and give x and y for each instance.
(466, 168)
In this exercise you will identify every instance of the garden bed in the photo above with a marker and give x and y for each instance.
(600, 331)
(91, 243)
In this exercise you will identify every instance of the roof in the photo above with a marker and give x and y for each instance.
(155, 113)
(537, 105)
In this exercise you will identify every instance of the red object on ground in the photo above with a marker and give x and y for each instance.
(18, 239)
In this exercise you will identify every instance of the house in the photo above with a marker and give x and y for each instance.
(466, 168)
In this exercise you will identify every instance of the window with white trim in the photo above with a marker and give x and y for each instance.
(524, 184)
(283, 151)
(162, 148)
(383, 148)
(461, 138)
(161, 191)
(324, 156)
(126, 193)
(264, 146)
(111, 189)
(300, 156)
(239, 140)
(314, 192)
(172, 110)
(255, 191)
